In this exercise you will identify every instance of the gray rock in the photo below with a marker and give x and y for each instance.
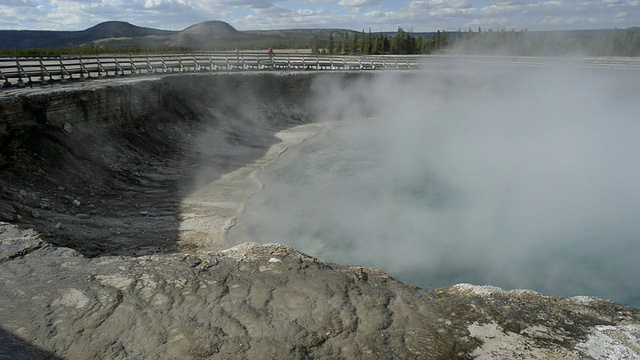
(35, 213)
(76, 203)
(270, 301)
(6, 207)
(5, 216)
(67, 128)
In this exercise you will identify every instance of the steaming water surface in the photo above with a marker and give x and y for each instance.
(518, 179)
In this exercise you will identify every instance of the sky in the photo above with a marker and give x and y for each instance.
(377, 15)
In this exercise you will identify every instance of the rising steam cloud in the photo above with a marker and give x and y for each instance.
(519, 178)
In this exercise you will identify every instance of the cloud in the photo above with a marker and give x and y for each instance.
(357, 5)
(251, 4)
(422, 15)
(374, 14)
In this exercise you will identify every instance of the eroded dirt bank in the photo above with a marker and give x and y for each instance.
(109, 191)
(105, 167)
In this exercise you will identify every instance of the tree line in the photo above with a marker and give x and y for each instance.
(606, 42)
(380, 43)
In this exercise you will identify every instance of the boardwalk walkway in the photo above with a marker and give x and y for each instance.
(20, 71)
(23, 70)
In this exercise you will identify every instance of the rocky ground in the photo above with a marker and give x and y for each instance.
(115, 199)
(110, 167)
(270, 301)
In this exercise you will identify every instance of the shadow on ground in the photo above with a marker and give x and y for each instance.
(14, 348)
(104, 171)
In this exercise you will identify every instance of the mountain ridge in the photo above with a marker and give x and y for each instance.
(219, 35)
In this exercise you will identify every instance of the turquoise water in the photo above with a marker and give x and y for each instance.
(336, 200)
(518, 187)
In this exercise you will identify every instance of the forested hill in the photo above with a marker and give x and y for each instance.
(42, 39)
(605, 42)
(117, 36)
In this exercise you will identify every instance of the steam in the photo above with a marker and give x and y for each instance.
(514, 177)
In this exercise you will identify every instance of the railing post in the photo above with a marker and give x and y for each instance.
(6, 83)
(181, 66)
(164, 64)
(100, 68)
(134, 68)
(21, 73)
(118, 67)
(43, 72)
(82, 68)
(63, 71)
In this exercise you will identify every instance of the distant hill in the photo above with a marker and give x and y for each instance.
(117, 34)
(219, 35)
(27, 39)
(205, 34)
(116, 29)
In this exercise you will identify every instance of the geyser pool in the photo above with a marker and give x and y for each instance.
(519, 178)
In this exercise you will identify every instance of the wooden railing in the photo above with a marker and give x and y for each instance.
(20, 71)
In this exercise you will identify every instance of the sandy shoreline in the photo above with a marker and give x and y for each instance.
(208, 214)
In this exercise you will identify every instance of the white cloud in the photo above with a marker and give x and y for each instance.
(422, 15)
(356, 5)
(374, 14)
(560, 20)
(360, 3)
(305, 12)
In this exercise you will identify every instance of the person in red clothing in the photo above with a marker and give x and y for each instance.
(270, 52)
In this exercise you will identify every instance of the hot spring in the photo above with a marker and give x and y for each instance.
(514, 177)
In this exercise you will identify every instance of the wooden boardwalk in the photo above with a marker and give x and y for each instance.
(23, 70)
(20, 71)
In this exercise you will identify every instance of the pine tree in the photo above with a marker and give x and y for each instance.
(355, 44)
(386, 44)
(346, 44)
(378, 48)
(367, 47)
(339, 47)
(330, 45)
